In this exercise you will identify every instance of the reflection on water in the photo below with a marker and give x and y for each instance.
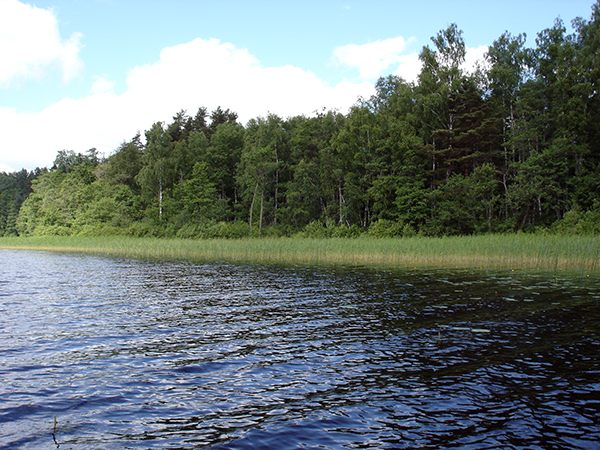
(146, 354)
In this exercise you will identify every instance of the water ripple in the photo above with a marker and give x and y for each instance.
(146, 354)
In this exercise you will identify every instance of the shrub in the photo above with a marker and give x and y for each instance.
(346, 232)
(214, 230)
(52, 230)
(386, 228)
(315, 229)
(575, 222)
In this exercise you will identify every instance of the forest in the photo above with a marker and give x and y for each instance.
(512, 146)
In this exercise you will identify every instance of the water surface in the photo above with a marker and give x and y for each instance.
(161, 354)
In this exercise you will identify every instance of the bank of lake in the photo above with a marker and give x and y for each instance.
(495, 251)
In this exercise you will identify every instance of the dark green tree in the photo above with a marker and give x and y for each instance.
(223, 156)
(123, 166)
(14, 189)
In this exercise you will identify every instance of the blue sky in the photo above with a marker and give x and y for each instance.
(78, 74)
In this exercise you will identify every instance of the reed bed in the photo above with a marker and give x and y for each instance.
(511, 251)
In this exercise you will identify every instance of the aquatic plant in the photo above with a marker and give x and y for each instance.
(511, 251)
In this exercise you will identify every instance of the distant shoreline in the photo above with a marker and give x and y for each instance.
(512, 251)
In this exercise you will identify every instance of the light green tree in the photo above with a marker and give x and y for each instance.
(156, 174)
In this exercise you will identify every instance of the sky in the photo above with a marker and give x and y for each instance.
(82, 74)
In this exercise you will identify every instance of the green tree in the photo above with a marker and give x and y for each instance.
(509, 60)
(182, 160)
(262, 134)
(196, 194)
(258, 168)
(156, 174)
(123, 166)
(465, 204)
(439, 81)
(59, 196)
(223, 156)
(14, 189)
(359, 149)
(398, 190)
(219, 117)
(312, 171)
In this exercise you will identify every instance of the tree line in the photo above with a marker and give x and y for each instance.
(513, 145)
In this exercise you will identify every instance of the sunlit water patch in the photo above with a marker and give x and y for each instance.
(113, 353)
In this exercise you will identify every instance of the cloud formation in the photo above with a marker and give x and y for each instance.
(31, 45)
(390, 56)
(475, 56)
(198, 73)
(102, 85)
(373, 58)
(211, 73)
(187, 76)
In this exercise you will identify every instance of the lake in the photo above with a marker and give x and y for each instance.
(107, 353)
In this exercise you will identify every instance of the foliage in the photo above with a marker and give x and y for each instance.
(14, 189)
(512, 147)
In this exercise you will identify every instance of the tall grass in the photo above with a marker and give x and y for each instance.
(514, 251)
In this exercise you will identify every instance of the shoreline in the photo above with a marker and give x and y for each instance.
(515, 251)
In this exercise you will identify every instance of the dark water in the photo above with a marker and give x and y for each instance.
(146, 354)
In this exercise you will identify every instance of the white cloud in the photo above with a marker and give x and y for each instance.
(389, 56)
(211, 73)
(187, 76)
(198, 73)
(374, 58)
(409, 67)
(30, 44)
(474, 57)
(6, 169)
(102, 85)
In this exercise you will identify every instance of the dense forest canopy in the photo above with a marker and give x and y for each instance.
(513, 146)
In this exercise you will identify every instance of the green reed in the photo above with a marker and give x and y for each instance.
(510, 251)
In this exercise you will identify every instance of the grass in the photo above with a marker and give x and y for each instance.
(512, 251)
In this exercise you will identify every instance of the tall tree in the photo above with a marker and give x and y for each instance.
(14, 189)
(196, 194)
(258, 166)
(177, 129)
(440, 79)
(509, 60)
(312, 187)
(123, 166)
(223, 156)
(219, 117)
(156, 174)
(269, 133)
